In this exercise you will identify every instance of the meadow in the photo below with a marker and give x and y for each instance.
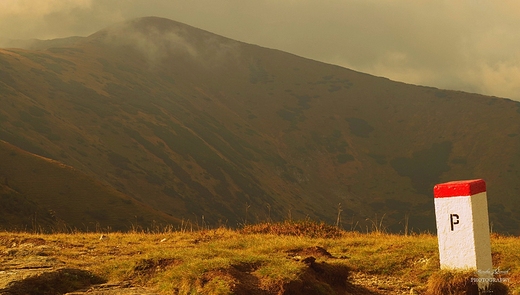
(269, 258)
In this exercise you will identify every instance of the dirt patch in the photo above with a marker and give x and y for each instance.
(319, 278)
(151, 266)
(315, 251)
(239, 279)
(379, 284)
(57, 281)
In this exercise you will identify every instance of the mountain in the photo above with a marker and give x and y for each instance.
(36, 44)
(38, 193)
(216, 131)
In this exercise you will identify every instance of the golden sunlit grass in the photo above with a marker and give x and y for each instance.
(225, 261)
(459, 283)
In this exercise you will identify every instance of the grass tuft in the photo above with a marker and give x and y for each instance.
(450, 282)
(304, 228)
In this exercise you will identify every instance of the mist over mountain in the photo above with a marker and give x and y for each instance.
(208, 129)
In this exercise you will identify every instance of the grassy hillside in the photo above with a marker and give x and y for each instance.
(308, 258)
(40, 194)
(203, 127)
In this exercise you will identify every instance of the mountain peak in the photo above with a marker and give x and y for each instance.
(155, 23)
(153, 28)
(158, 38)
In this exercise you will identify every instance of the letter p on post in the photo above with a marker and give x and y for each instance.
(461, 213)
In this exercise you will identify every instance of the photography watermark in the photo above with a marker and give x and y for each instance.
(489, 280)
(491, 276)
(492, 272)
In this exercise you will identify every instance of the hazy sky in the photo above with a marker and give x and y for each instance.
(469, 45)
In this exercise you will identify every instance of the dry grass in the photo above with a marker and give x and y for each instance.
(269, 258)
(304, 228)
(460, 283)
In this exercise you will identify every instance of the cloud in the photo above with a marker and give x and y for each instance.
(38, 8)
(464, 45)
(153, 43)
(47, 19)
(158, 39)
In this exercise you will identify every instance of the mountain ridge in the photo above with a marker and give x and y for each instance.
(202, 126)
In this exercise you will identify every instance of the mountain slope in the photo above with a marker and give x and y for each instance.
(204, 127)
(37, 193)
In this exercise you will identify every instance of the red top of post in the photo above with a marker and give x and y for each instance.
(459, 188)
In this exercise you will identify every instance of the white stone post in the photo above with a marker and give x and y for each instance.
(461, 213)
